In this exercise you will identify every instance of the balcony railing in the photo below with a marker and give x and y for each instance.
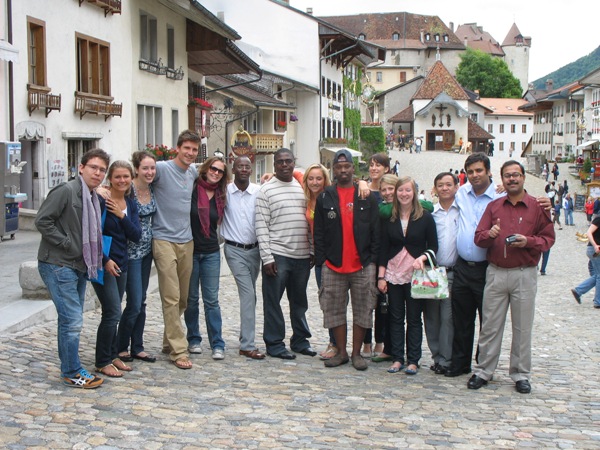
(109, 6)
(40, 98)
(267, 143)
(85, 104)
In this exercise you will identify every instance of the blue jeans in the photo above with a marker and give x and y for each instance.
(110, 295)
(67, 289)
(568, 217)
(292, 277)
(594, 280)
(545, 258)
(133, 319)
(205, 272)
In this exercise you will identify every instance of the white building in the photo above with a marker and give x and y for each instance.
(511, 127)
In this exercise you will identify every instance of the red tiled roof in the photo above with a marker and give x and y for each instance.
(504, 106)
(439, 80)
(514, 35)
(476, 132)
(406, 115)
(381, 26)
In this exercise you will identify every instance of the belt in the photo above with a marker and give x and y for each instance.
(244, 246)
(473, 263)
(449, 269)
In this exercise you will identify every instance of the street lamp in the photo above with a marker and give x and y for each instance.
(219, 154)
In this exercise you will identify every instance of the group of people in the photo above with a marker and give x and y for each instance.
(363, 239)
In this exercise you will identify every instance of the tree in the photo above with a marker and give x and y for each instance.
(490, 75)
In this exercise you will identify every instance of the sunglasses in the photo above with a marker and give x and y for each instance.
(216, 170)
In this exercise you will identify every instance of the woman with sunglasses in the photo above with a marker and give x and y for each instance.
(208, 204)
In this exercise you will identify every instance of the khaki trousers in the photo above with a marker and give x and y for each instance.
(174, 268)
(503, 288)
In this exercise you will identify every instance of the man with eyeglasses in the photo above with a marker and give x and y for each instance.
(70, 252)
(285, 249)
(172, 242)
(515, 231)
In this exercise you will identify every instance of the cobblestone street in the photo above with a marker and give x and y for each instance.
(243, 403)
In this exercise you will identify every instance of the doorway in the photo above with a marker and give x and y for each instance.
(29, 180)
(440, 140)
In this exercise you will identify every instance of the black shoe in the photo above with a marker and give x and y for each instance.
(476, 382)
(308, 351)
(523, 387)
(434, 367)
(441, 370)
(283, 355)
(576, 295)
(452, 372)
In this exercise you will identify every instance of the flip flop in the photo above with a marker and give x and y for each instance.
(183, 363)
(110, 371)
(410, 371)
(145, 358)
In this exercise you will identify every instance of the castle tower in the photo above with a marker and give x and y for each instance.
(516, 49)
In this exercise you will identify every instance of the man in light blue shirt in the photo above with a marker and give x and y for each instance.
(471, 264)
(241, 249)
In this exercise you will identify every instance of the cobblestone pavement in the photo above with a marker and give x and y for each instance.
(241, 403)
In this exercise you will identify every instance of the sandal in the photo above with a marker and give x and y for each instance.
(183, 363)
(412, 369)
(395, 369)
(121, 365)
(110, 371)
(329, 352)
(125, 357)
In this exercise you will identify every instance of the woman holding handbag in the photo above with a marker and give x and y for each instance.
(121, 223)
(405, 237)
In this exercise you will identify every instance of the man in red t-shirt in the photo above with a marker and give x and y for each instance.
(346, 238)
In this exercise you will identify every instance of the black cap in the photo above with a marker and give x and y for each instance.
(343, 152)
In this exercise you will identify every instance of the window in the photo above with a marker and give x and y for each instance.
(75, 150)
(369, 76)
(512, 146)
(93, 66)
(501, 146)
(501, 128)
(37, 51)
(280, 120)
(148, 39)
(402, 77)
(475, 117)
(437, 37)
(395, 36)
(513, 128)
(427, 36)
(149, 125)
(379, 78)
(491, 128)
(170, 47)
(445, 38)
(362, 36)
(523, 145)
(261, 168)
(524, 128)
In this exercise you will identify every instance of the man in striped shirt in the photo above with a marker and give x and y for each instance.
(285, 249)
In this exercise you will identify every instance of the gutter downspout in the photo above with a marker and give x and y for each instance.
(11, 100)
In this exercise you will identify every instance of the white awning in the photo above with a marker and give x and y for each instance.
(8, 52)
(587, 144)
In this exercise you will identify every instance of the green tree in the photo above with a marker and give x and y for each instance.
(490, 75)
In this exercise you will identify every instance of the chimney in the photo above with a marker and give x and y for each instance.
(451, 24)
(477, 93)
(309, 11)
(549, 85)
(422, 35)
(221, 16)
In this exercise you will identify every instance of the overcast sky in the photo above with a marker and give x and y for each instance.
(561, 31)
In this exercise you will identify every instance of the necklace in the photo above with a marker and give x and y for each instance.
(143, 195)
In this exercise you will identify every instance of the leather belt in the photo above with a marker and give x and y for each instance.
(243, 246)
(473, 263)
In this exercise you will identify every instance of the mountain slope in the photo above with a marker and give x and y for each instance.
(572, 71)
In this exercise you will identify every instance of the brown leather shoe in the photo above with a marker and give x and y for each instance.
(254, 354)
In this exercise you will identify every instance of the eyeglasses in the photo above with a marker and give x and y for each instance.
(216, 170)
(281, 162)
(508, 176)
(96, 168)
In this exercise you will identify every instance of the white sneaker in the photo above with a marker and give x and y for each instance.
(218, 354)
(196, 349)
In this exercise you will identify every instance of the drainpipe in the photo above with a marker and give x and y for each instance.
(11, 99)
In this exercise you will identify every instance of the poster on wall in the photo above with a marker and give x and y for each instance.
(56, 172)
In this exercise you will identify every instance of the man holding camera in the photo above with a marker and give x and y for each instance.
(515, 231)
